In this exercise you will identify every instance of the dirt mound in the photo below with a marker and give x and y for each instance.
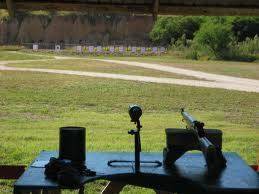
(97, 29)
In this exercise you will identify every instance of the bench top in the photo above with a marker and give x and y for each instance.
(189, 173)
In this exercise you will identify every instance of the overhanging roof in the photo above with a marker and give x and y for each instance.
(163, 7)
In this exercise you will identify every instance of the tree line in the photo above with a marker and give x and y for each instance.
(229, 38)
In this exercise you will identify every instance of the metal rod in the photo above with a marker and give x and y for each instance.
(137, 151)
(112, 163)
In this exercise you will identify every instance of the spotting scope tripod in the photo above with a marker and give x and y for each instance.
(135, 113)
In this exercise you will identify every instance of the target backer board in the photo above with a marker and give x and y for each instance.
(57, 48)
(79, 49)
(35, 47)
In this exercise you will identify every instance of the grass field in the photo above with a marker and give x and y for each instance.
(34, 105)
(10, 55)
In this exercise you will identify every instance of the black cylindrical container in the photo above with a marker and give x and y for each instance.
(72, 144)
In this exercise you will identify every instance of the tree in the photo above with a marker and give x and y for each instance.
(245, 27)
(169, 29)
(215, 38)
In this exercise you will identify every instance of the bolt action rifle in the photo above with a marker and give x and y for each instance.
(215, 160)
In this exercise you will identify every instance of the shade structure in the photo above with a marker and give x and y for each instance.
(154, 7)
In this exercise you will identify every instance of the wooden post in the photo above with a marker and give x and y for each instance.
(155, 9)
(10, 7)
(23, 192)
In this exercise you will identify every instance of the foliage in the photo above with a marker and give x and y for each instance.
(214, 39)
(217, 37)
(170, 29)
(245, 27)
(185, 47)
(247, 50)
(4, 16)
(250, 45)
(216, 19)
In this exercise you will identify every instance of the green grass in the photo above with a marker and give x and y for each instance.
(6, 55)
(97, 66)
(35, 105)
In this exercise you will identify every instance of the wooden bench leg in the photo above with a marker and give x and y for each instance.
(81, 190)
(56, 191)
(161, 192)
(28, 192)
(23, 192)
(36, 192)
(113, 188)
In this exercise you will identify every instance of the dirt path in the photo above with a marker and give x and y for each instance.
(175, 70)
(197, 83)
(209, 80)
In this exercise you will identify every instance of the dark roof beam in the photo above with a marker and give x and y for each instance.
(154, 7)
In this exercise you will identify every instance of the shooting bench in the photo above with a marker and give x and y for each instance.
(187, 175)
(174, 170)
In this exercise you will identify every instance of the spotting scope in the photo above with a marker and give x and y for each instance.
(135, 112)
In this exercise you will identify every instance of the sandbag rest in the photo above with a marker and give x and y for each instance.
(179, 141)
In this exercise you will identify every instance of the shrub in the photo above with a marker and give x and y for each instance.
(250, 45)
(245, 51)
(230, 38)
(191, 54)
(245, 27)
(167, 30)
(214, 39)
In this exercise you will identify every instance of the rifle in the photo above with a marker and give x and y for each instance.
(215, 160)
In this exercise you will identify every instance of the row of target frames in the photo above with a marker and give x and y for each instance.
(108, 49)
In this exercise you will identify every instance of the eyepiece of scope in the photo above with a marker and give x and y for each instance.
(135, 112)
